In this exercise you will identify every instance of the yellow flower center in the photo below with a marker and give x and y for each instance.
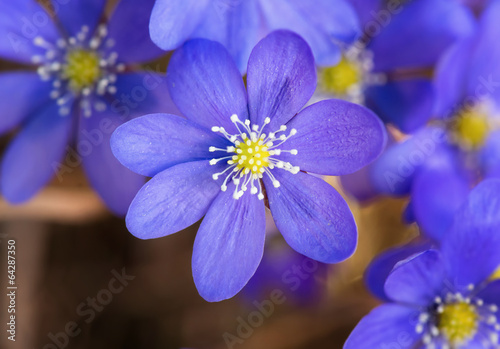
(82, 69)
(496, 275)
(471, 128)
(458, 322)
(340, 79)
(252, 156)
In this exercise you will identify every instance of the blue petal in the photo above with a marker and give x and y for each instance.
(408, 104)
(484, 72)
(235, 24)
(417, 280)
(115, 184)
(491, 293)
(34, 156)
(204, 69)
(22, 22)
(22, 93)
(388, 326)
(335, 137)
(153, 143)
(300, 19)
(75, 14)
(439, 23)
(128, 27)
(173, 200)
(229, 245)
(439, 189)
(393, 172)
(359, 185)
(471, 246)
(490, 156)
(371, 10)
(173, 21)
(451, 77)
(312, 216)
(379, 269)
(141, 93)
(281, 78)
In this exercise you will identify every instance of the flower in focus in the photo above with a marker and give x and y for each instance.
(444, 298)
(240, 24)
(80, 85)
(390, 68)
(239, 146)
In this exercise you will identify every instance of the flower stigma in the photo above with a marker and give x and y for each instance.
(471, 127)
(458, 322)
(81, 69)
(251, 156)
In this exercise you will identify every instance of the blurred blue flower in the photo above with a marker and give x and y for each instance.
(237, 145)
(240, 24)
(84, 85)
(444, 298)
(389, 70)
(441, 163)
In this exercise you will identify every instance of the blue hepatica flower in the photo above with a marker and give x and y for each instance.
(440, 164)
(83, 87)
(240, 24)
(388, 70)
(444, 298)
(238, 145)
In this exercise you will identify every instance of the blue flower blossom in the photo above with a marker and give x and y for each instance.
(389, 70)
(80, 85)
(238, 146)
(240, 24)
(444, 298)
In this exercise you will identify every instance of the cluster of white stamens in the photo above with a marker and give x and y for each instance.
(79, 67)
(455, 320)
(252, 156)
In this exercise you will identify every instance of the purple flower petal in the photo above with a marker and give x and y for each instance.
(417, 280)
(281, 78)
(153, 143)
(491, 293)
(75, 14)
(205, 70)
(439, 23)
(394, 171)
(408, 104)
(173, 21)
(22, 22)
(321, 23)
(439, 189)
(173, 200)
(312, 216)
(470, 248)
(335, 137)
(451, 77)
(388, 326)
(490, 156)
(115, 184)
(128, 27)
(229, 245)
(379, 269)
(22, 93)
(141, 93)
(235, 24)
(34, 156)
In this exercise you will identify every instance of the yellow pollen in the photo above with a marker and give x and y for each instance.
(251, 156)
(82, 69)
(496, 275)
(458, 322)
(471, 128)
(340, 78)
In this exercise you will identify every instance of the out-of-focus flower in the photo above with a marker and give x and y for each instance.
(237, 145)
(444, 298)
(84, 85)
(240, 24)
(390, 68)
